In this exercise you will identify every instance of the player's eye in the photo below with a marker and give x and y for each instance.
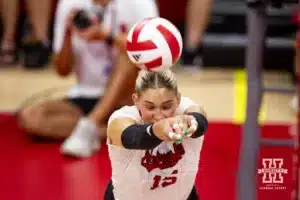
(150, 107)
(167, 107)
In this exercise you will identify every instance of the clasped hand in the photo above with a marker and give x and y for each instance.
(180, 127)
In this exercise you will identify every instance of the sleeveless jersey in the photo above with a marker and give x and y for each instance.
(150, 174)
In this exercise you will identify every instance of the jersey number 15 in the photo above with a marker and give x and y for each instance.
(164, 182)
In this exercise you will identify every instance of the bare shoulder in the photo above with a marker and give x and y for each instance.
(119, 124)
(189, 105)
(116, 128)
(196, 108)
(130, 112)
(119, 121)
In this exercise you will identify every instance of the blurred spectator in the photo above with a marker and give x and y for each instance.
(9, 14)
(197, 16)
(84, 33)
(36, 46)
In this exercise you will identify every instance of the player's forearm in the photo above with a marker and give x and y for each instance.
(139, 137)
(120, 88)
(63, 60)
(160, 128)
(145, 136)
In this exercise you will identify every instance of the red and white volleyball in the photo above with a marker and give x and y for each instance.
(154, 44)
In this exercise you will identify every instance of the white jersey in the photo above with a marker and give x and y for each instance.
(150, 174)
(93, 60)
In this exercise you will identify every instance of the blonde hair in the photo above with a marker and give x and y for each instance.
(163, 79)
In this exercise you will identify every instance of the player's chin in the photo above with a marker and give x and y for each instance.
(150, 121)
(153, 121)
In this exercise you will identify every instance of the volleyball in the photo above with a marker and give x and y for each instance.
(154, 44)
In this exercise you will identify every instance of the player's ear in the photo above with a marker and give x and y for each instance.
(135, 98)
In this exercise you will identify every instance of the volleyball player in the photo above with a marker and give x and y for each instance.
(96, 54)
(154, 146)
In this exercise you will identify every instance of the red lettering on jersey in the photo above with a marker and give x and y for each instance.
(162, 161)
(156, 182)
(168, 180)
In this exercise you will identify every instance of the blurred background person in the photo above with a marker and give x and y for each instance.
(192, 18)
(36, 44)
(9, 16)
(85, 32)
(197, 18)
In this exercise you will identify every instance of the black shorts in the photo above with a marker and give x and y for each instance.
(84, 103)
(109, 195)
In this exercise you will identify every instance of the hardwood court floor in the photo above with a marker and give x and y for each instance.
(222, 92)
